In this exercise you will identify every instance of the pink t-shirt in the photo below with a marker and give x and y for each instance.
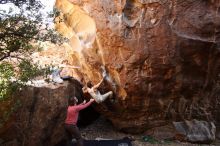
(73, 112)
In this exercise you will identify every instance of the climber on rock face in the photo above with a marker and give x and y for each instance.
(94, 92)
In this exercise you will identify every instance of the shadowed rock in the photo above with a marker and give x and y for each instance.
(196, 131)
(39, 121)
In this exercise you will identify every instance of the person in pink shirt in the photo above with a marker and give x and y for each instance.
(72, 117)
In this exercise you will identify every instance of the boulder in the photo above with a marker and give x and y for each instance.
(196, 131)
(162, 58)
(39, 119)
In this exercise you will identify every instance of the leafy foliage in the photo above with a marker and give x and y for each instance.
(17, 2)
(18, 30)
(7, 71)
(19, 34)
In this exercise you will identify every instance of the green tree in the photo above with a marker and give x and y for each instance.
(18, 32)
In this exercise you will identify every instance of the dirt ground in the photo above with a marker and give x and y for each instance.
(102, 129)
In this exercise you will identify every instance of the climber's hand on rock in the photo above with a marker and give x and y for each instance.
(92, 100)
(84, 89)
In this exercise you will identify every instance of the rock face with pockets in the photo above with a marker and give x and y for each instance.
(161, 57)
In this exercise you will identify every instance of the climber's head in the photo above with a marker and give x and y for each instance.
(73, 101)
(89, 84)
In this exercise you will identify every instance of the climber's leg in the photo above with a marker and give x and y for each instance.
(97, 98)
(105, 96)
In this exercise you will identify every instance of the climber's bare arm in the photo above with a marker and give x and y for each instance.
(84, 89)
(97, 85)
